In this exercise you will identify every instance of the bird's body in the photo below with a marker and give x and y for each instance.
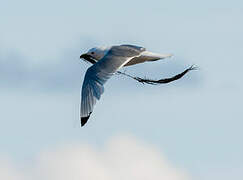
(107, 61)
(99, 52)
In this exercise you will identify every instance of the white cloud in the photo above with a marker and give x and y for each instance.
(122, 158)
(7, 171)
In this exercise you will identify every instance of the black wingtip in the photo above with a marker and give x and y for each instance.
(84, 120)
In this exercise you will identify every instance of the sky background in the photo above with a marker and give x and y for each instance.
(189, 129)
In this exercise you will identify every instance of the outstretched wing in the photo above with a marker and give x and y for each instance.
(145, 56)
(99, 73)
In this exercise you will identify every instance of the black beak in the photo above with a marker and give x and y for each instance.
(85, 56)
(88, 58)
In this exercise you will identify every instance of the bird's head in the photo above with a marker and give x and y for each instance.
(95, 54)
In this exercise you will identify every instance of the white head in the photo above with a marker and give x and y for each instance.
(96, 53)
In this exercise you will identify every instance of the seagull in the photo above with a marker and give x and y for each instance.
(106, 62)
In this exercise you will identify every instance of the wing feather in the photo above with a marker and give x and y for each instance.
(97, 75)
(147, 56)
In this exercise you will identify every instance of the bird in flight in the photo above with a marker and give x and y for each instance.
(106, 62)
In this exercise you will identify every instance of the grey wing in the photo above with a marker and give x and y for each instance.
(92, 89)
(118, 56)
(147, 56)
(99, 73)
(139, 48)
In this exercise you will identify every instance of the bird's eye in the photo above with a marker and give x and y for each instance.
(92, 52)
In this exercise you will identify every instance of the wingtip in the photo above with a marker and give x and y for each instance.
(84, 120)
(162, 56)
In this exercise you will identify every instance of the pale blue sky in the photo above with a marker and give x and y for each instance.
(196, 122)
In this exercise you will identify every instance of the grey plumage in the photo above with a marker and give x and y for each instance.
(106, 62)
(100, 72)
